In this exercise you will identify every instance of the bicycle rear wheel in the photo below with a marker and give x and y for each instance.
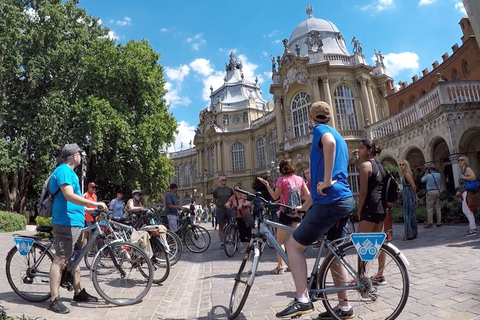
(29, 282)
(244, 279)
(160, 261)
(122, 273)
(176, 247)
(375, 299)
(197, 239)
(231, 240)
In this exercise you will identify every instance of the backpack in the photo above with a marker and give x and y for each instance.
(390, 187)
(294, 199)
(45, 205)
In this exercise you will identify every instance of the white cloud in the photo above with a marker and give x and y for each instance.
(249, 69)
(215, 80)
(173, 95)
(265, 53)
(177, 74)
(426, 2)
(202, 66)
(186, 133)
(112, 35)
(125, 22)
(197, 41)
(164, 30)
(396, 62)
(378, 5)
(460, 7)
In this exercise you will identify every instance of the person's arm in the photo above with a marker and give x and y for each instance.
(365, 172)
(304, 192)
(273, 193)
(70, 196)
(329, 145)
(170, 204)
(424, 179)
(469, 175)
(306, 205)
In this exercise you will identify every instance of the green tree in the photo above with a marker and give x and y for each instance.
(62, 80)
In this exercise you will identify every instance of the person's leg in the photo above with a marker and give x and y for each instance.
(281, 237)
(430, 207)
(468, 213)
(172, 222)
(438, 208)
(298, 266)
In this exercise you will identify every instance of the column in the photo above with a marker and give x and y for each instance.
(328, 99)
(279, 119)
(367, 114)
(371, 100)
(316, 89)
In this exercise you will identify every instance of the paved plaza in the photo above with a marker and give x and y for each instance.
(444, 275)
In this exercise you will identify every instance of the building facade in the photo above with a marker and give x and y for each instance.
(242, 136)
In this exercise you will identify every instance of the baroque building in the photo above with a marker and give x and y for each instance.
(242, 136)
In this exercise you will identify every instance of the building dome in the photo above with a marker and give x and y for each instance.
(333, 41)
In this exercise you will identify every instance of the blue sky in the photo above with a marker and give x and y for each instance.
(195, 38)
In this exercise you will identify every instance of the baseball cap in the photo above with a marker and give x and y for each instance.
(320, 110)
(70, 149)
(92, 184)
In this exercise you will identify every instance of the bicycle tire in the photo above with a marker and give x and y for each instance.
(197, 239)
(117, 288)
(230, 242)
(244, 279)
(27, 283)
(176, 247)
(160, 261)
(374, 301)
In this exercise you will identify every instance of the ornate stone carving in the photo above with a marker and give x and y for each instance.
(294, 76)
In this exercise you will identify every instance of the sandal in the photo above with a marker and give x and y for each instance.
(278, 270)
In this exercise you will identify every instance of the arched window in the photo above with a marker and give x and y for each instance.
(272, 146)
(186, 174)
(455, 75)
(195, 172)
(345, 107)
(176, 177)
(211, 161)
(353, 178)
(401, 106)
(412, 99)
(260, 146)
(300, 114)
(466, 68)
(238, 157)
(422, 93)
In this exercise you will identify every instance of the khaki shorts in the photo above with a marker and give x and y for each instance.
(67, 239)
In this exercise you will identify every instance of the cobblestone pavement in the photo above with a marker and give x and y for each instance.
(444, 273)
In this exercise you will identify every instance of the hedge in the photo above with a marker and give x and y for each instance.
(12, 221)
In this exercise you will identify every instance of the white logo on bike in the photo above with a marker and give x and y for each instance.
(368, 244)
(23, 245)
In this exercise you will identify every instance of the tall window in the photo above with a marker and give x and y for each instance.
(345, 107)
(455, 75)
(186, 174)
(195, 172)
(300, 114)
(238, 156)
(272, 146)
(353, 178)
(211, 161)
(176, 178)
(260, 152)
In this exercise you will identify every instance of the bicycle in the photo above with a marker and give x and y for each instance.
(121, 272)
(231, 239)
(369, 301)
(196, 238)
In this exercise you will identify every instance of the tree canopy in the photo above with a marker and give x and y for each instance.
(62, 80)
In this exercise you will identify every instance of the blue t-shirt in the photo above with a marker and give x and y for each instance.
(432, 180)
(66, 213)
(170, 198)
(117, 207)
(340, 189)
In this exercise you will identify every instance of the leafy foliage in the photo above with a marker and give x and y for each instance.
(62, 80)
(12, 221)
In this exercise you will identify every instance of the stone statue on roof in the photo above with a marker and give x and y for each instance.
(357, 45)
(309, 10)
(273, 64)
(285, 45)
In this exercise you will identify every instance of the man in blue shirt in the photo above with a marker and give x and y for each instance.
(432, 179)
(68, 219)
(329, 206)
(172, 207)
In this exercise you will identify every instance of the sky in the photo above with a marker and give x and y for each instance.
(195, 38)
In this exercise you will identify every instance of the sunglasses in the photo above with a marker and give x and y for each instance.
(223, 179)
(461, 159)
(402, 164)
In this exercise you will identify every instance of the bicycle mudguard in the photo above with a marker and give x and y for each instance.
(401, 255)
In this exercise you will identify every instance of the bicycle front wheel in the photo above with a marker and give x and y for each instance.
(29, 275)
(176, 247)
(160, 261)
(122, 273)
(197, 239)
(377, 298)
(244, 279)
(231, 240)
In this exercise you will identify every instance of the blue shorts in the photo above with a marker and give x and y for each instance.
(323, 218)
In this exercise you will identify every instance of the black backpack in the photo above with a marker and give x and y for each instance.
(390, 188)
(44, 206)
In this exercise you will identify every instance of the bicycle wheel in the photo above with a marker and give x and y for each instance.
(197, 239)
(96, 246)
(231, 240)
(29, 282)
(118, 273)
(175, 246)
(375, 299)
(244, 279)
(160, 261)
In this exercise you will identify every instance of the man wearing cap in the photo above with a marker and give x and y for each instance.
(220, 199)
(329, 205)
(172, 207)
(68, 219)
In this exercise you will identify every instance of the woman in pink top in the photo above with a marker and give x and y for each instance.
(291, 189)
